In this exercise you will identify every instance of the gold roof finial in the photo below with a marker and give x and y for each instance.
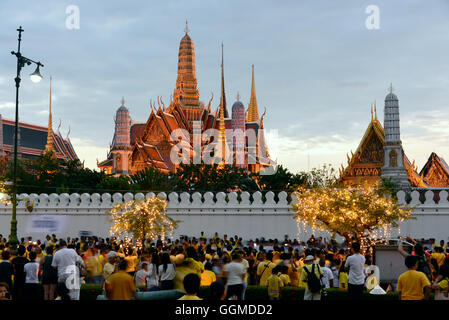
(391, 87)
(253, 112)
(187, 28)
(50, 142)
(371, 105)
(123, 101)
(375, 111)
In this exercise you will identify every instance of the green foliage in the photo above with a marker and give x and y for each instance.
(45, 174)
(150, 179)
(200, 177)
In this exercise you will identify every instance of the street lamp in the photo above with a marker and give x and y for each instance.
(35, 77)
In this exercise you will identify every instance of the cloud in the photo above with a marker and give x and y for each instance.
(88, 151)
(7, 105)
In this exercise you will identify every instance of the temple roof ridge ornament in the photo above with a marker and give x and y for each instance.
(50, 141)
(253, 112)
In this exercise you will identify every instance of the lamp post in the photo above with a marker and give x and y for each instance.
(35, 77)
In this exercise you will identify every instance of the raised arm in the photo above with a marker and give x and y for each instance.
(401, 249)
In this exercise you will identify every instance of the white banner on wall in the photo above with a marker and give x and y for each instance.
(46, 224)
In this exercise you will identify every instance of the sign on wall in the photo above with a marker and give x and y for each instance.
(46, 224)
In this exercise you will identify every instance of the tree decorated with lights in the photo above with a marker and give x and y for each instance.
(143, 219)
(362, 213)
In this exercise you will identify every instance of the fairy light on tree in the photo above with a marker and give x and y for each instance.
(352, 212)
(143, 219)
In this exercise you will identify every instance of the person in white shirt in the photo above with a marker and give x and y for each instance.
(356, 278)
(153, 277)
(68, 262)
(235, 273)
(167, 272)
(140, 278)
(328, 277)
(31, 270)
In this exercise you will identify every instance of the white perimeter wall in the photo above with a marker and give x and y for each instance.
(246, 218)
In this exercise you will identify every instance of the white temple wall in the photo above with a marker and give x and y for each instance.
(249, 219)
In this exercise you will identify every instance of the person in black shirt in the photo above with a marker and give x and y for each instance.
(19, 275)
(6, 269)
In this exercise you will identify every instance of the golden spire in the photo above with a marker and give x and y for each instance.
(187, 28)
(375, 111)
(186, 92)
(223, 94)
(391, 87)
(222, 128)
(253, 113)
(50, 143)
(372, 118)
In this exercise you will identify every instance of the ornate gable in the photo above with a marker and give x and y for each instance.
(367, 161)
(435, 172)
(365, 165)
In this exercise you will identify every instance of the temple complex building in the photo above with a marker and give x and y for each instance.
(183, 128)
(34, 140)
(380, 155)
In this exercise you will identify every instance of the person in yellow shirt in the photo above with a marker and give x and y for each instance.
(264, 268)
(342, 278)
(438, 255)
(284, 276)
(274, 284)
(120, 285)
(311, 267)
(441, 284)
(191, 286)
(412, 284)
(208, 276)
(131, 259)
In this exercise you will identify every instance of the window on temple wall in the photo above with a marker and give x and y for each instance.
(393, 158)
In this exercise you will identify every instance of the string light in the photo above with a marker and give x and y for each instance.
(144, 219)
(361, 212)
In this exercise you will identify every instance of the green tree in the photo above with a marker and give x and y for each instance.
(150, 179)
(352, 212)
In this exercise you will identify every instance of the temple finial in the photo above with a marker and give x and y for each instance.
(49, 146)
(391, 87)
(187, 28)
(253, 112)
(123, 101)
(372, 117)
(375, 111)
(238, 96)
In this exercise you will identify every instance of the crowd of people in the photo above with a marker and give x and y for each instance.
(226, 265)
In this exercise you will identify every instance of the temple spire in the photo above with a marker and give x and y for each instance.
(375, 111)
(186, 92)
(50, 142)
(223, 94)
(253, 112)
(123, 101)
(187, 27)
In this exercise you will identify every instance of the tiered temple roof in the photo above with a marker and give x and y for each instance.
(435, 172)
(365, 164)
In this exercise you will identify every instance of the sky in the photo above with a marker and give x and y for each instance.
(317, 68)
